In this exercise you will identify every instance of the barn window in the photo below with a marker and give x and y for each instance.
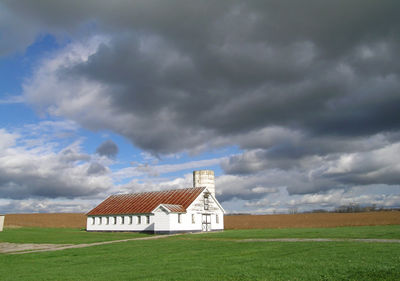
(123, 220)
(148, 219)
(193, 219)
(93, 220)
(107, 220)
(115, 220)
(139, 219)
(179, 218)
(216, 218)
(130, 219)
(206, 202)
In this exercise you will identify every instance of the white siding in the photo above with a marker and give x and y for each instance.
(185, 224)
(161, 217)
(168, 222)
(118, 226)
(197, 208)
(220, 224)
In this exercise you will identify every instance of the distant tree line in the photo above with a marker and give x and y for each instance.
(356, 208)
(351, 208)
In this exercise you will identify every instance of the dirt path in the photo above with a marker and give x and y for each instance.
(17, 248)
(13, 248)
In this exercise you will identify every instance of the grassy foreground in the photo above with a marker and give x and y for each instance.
(60, 235)
(358, 232)
(218, 256)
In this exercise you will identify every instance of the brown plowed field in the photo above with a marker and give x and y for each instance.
(311, 220)
(46, 220)
(231, 221)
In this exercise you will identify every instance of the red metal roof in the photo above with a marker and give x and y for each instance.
(175, 208)
(144, 203)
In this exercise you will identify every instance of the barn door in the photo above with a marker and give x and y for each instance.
(206, 222)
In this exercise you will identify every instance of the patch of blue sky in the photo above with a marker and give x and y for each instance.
(16, 115)
(127, 153)
(14, 69)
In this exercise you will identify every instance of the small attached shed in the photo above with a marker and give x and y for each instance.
(1, 222)
(181, 210)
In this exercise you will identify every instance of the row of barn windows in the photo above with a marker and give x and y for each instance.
(139, 219)
(115, 220)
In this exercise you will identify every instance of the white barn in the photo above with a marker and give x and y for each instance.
(181, 210)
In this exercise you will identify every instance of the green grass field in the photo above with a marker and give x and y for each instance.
(359, 232)
(214, 256)
(61, 235)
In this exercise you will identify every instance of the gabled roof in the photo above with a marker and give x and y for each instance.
(172, 208)
(146, 202)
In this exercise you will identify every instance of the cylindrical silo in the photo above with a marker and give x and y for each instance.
(204, 178)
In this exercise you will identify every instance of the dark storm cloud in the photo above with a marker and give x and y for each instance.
(189, 75)
(253, 68)
(108, 148)
(96, 168)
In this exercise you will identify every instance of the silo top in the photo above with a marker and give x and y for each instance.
(204, 172)
(204, 178)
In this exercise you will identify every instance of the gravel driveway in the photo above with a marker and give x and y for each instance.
(19, 248)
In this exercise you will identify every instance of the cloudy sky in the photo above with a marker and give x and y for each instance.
(294, 104)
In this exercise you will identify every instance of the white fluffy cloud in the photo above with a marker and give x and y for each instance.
(32, 169)
(282, 202)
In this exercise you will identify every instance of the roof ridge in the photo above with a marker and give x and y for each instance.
(166, 190)
(167, 204)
